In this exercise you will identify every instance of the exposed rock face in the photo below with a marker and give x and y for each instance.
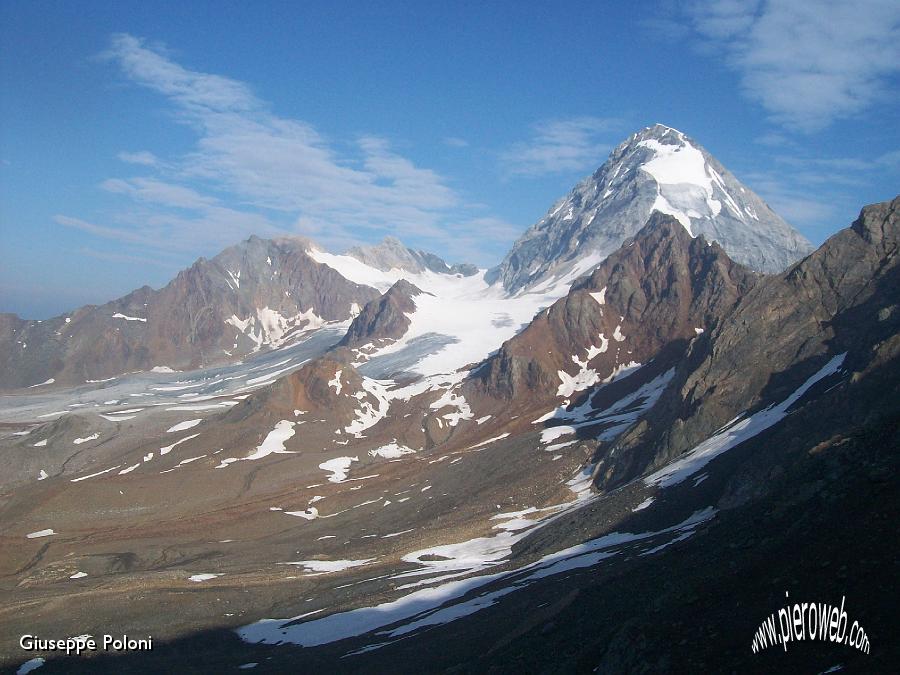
(392, 254)
(254, 295)
(655, 292)
(384, 318)
(841, 299)
(660, 169)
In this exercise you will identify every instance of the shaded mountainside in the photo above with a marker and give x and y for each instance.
(661, 169)
(842, 299)
(383, 319)
(257, 294)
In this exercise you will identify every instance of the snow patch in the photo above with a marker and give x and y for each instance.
(273, 444)
(736, 433)
(184, 426)
(338, 468)
(118, 315)
(391, 451)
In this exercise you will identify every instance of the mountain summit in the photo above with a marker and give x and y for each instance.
(656, 169)
(392, 254)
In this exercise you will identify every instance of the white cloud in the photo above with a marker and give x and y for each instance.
(154, 191)
(807, 63)
(794, 186)
(144, 158)
(126, 258)
(253, 172)
(456, 142)
(560, 145)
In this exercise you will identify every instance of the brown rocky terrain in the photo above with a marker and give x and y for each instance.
(254, 295)
(326, 520)
(841, 298)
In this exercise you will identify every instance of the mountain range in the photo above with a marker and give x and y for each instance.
(263, 294)
(615, 452)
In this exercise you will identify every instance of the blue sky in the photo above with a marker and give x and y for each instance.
(135, 139)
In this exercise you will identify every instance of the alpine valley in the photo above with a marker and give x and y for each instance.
(615, 452)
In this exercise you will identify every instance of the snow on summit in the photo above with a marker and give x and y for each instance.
(655, 169)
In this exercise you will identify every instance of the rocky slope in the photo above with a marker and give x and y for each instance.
(841, 300)
(257, 294)
(438, 523)
(657, 168)
(392, 254)
(645, 302)
(383, 319)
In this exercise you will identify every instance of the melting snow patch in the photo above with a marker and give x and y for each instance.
(41, 384)
(310, 514)
(338, 467)
(391, 451)
(94, 475)
(397, 534)
(443, 604)
(78, 575)
(600, 297)
(202, 577)
(184, 426)
(694, 460)
(40, 533)
(336, 382)
(166, 450)
(490, 440)
(328, 566)
(559, 446)
(43, 475)
(273, 444)
(118, 315)
(40, 444)
(643, 505)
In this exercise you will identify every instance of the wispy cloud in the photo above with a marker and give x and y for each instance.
(456, 142)
(807, 63)
(253, 172)
(794, 186)
(556, 146)
(127, 258)
(144, 158)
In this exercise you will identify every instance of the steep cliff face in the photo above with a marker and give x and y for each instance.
(655, 169)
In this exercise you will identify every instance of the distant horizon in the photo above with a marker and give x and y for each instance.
(135, 142)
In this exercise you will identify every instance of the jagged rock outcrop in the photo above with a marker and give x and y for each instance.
(383, 319)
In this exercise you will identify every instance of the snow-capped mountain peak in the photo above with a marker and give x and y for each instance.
(656, 169)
